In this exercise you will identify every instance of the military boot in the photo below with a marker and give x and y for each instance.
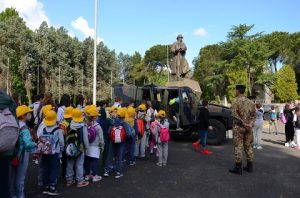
(237, 169)
(249, 167)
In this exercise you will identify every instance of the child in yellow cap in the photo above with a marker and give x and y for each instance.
(50, 146)
(25, 147)
(65, 127)
(162, 127)
(78, 131)
(118, 134)
(140, 145)
(130, 119)
(96, 140)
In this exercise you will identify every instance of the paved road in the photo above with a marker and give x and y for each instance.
(188, 174)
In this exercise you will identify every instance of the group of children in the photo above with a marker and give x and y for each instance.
(71, 141)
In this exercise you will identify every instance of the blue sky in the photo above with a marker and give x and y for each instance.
(136, 25)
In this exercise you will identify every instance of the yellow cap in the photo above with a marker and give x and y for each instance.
(68, 112)
(161, 114)
(142, 107)
(47, 108)
(112, 109)
(122, 112)
(92, 112)
(77, 115)
(88, 107)
(22, 110)
(130, 112)
(50, 118)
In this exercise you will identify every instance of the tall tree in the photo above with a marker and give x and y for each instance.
(125, 64)
(285, 86)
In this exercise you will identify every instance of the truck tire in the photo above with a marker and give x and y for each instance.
(218, 134)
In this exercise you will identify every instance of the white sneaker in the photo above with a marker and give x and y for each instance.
(254, 146)
(287, 144)
(293, 144)
(97, 178)
(259, 147)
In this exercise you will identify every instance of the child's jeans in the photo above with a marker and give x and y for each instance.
(78, 169)
(50, 165)
(40, 172)
(131, 150)
(18, 175)
(162, 149)
(117, 151)
(203, 137)
(90, 165)
(140, 146)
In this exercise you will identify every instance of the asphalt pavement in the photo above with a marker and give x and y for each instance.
(189, 174)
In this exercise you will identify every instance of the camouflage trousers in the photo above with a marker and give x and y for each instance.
(242, 140)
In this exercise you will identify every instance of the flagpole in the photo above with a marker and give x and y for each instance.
(95, 55)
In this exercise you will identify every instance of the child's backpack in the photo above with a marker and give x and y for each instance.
(74, 146)
(164, 134)
(47, 142)
(64, 126)
(9, 130)
(140, 127)
(118, 134)
(92, 133)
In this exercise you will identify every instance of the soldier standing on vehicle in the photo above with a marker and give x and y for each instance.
(243, 112)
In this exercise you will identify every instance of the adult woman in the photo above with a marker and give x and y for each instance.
(289, 126)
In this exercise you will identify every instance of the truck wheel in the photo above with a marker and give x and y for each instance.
(218, 134)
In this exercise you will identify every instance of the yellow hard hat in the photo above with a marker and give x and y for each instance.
(77, 115)
(122, 112)
(142, 107)
(47, 108)
(68, 112)
(22, 110)
(92, 112)
(161, 114)
(130, 112)
(50, 118)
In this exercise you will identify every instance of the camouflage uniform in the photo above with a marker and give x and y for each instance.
(243, 112)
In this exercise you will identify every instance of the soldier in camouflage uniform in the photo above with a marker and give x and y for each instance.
(243, 112)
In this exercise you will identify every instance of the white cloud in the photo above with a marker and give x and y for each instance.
(200, 32)
(32, 11)
(82, 25)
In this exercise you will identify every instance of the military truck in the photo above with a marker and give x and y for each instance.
(187, 108)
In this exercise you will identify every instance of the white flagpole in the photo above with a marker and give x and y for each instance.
(95, 55)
